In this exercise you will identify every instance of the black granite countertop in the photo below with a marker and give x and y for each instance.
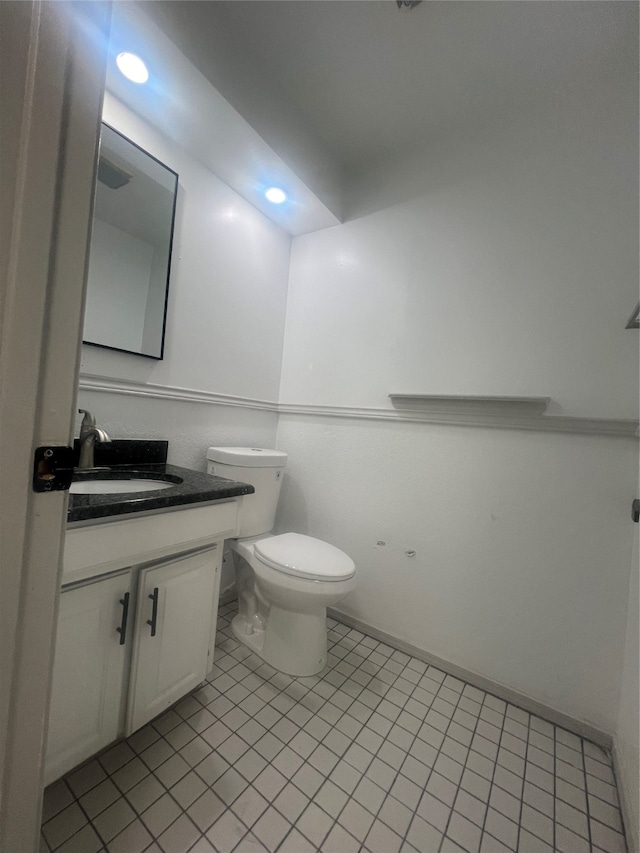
(189, 487)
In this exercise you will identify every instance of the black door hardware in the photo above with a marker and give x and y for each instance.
(52, 468)
(635, 510)
(122, 630)
(154, 612)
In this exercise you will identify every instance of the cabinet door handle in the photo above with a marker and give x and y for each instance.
(154, 612)
(122, 630)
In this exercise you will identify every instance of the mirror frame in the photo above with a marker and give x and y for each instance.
(169, 257)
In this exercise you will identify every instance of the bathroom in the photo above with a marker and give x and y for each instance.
(494, 258)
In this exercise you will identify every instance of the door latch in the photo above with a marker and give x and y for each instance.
(52, 468)
(635, 510)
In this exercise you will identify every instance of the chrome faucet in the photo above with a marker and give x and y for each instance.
(89, 435)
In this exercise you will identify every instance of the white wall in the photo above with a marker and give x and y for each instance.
(522, 546)
(504, 262)
(225, 319)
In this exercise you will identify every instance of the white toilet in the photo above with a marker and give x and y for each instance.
(286, 582)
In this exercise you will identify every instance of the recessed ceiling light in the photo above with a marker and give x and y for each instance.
(132, 67)
(275, 195)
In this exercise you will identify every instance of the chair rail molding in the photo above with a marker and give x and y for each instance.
(131, 387)
(521, 413)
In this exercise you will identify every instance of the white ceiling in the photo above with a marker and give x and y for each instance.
(182, 105)
(371, 81)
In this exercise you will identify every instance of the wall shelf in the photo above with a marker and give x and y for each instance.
(526, 413)
(471, 405)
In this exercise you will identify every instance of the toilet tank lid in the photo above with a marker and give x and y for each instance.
(304, 556)
(248, 457)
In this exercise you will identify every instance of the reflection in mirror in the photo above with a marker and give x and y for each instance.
(130, 252)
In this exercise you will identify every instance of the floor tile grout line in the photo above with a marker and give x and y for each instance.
(89, 821)
(228, 806)
(167, 791)
(451, 808)
(327, 778)
(484, 823)
(492, 782)
(290, 780)
(398, 675)
(617, 807)
(73, 799)
(587, 811)
(105, 843)
(586, 797)
(538, 811)
(526, 754)
(532, 714)
(415, 736)
(307, 692)
(387, 793)
(362, 774)
(334, 820)
(583, 812)
(178, 780)
(407, 752)
(464, 767)
(359, 711)
(324, 837)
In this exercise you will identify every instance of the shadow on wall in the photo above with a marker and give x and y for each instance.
(227, 574)
(292, 497)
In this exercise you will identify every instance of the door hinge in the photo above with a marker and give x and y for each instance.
(52, 468)
(635, 510)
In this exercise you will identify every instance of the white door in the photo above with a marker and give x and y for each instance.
(53, 61)
(173, 629)
(86, 710)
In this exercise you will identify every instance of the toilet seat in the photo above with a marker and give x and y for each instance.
(304, 557)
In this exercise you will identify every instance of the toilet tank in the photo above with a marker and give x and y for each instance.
(263, 470)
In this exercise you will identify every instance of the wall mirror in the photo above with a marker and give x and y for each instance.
(130, 251)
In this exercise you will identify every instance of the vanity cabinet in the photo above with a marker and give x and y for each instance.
(173, 626)
(88, 673)
(136, 626)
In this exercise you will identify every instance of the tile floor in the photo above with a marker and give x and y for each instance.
(380, 753)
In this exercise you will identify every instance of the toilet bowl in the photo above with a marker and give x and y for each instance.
(285, 582)
(284, 595)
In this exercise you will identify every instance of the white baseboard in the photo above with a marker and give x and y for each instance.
(481, 682)
(521, 700)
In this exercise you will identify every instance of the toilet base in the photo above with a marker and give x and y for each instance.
(293, 643)
(282, 618)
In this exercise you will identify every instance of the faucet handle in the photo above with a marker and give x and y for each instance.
(88, 419)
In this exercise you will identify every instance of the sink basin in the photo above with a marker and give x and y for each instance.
(113, 487)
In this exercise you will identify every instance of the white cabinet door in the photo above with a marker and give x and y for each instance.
(88, 673)
(173, 624)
